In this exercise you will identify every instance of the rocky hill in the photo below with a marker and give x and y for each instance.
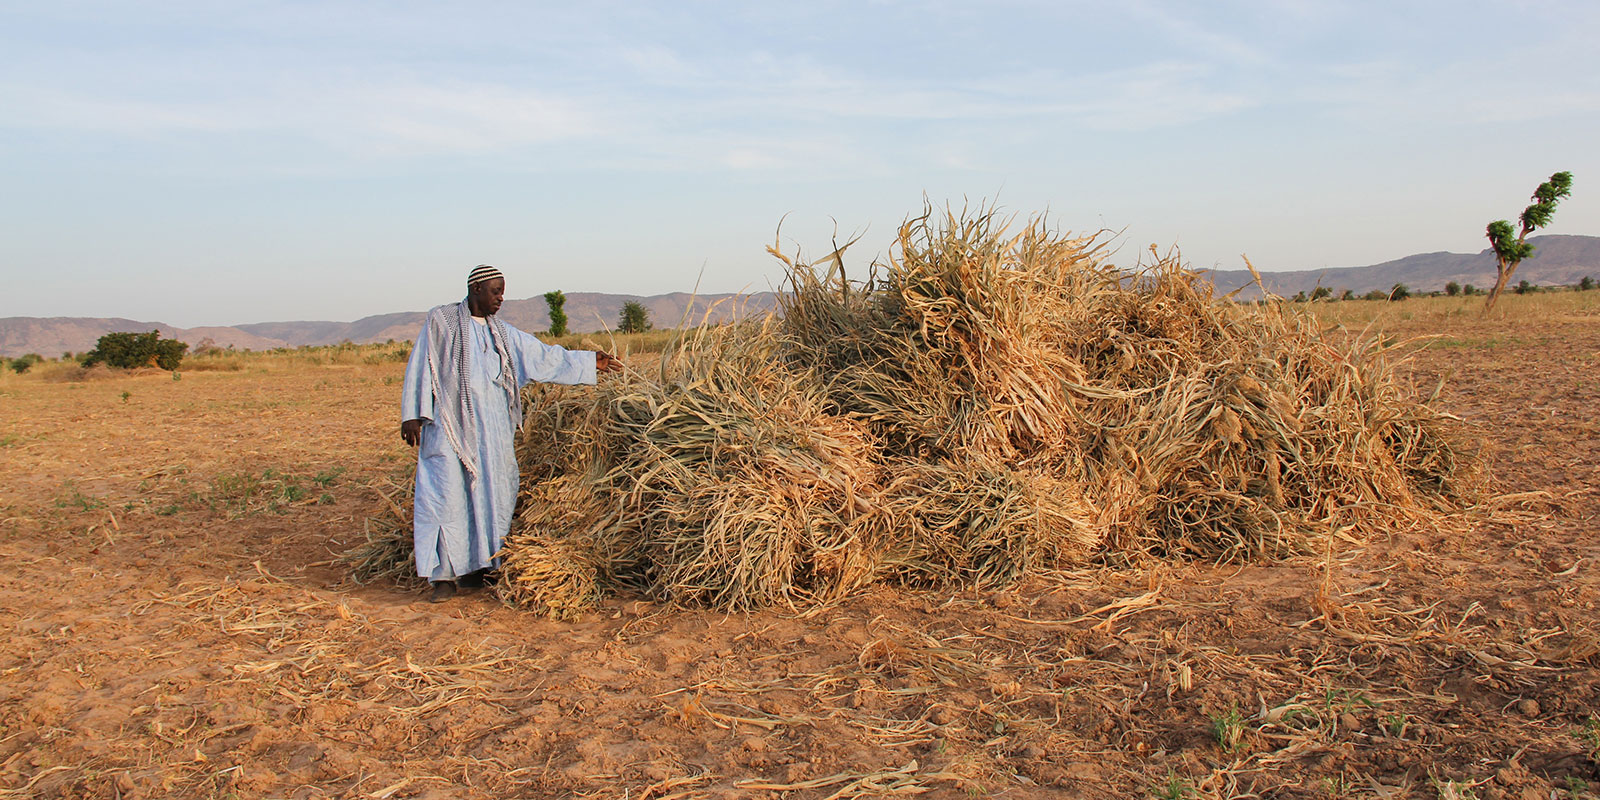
(586, 312)
(1558, 260)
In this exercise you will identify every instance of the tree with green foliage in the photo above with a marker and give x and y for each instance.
(22, 363)
(1509, 252)
(634, 318)
(132, 350)
(1586, 284)
(1469, 290)
(1523, 287)
(1376, 294)
(1452, 288)
(1347, 295)
(558, 318)
(1321, 292)
(1399, 292)
(1299, 297)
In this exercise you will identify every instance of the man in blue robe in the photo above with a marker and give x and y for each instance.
(460, 407)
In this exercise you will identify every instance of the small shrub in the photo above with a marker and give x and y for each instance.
(20, 365)
(214, 363)
(1175, 788)
(1347, 295)
(1589, 734)
(1228, 729)
(72, 497)
(1375, 294)
(1452, 790)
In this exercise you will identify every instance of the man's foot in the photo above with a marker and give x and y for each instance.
(442, 591)
(472, 580)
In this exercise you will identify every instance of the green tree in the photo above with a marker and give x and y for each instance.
(1509, 252)
(558, 318)
(1586, 284)
(1523, 287)
(1376, 294)
(1469, 290)
(1399, 292)
(1299, 297)
(633, 318)
(130, 350)
(1452, 288)
(1321, 292)
(21, 365)
(1347, 295)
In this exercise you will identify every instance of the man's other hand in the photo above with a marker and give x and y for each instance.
(605, 362)
(411, 431)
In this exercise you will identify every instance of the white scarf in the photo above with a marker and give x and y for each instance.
(448, 365)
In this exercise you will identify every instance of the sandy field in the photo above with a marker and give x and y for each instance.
(177, 624)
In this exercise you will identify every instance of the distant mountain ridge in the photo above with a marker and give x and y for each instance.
(586, 312)
(1558, 260)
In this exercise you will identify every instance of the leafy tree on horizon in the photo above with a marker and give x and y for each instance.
(1509, 252)
(558, 318)
(1452, 288)
(1399, 292)
(634, 318)
(1586, 284)
(133, 350)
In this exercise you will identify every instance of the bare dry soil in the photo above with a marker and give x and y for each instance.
(176, 624)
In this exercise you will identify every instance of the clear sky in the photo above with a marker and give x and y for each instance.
(212, 163)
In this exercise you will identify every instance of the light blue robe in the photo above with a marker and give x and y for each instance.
(460, 522)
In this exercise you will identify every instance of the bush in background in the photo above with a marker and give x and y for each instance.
(558, 317)
(633, 318)
(133, 350)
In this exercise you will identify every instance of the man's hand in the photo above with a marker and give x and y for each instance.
(605, 362)
(411, 431)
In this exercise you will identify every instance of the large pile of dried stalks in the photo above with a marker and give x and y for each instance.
(984, 406)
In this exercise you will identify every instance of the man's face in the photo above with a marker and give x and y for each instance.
(487, 295)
